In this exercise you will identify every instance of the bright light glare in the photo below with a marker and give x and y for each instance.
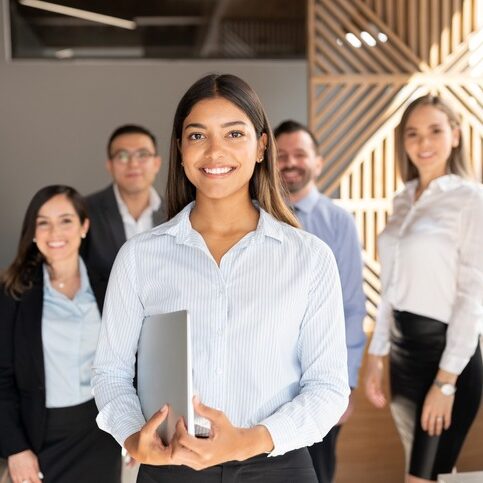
(382, 37)
(64, 54)
(353, 40)
(368, 39)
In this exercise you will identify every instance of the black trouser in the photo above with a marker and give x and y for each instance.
(324, 457)
(292, 467)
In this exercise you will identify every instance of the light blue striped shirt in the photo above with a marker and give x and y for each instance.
(267, 328)
(70, 331)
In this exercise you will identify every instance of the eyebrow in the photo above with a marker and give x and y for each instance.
(226, 124)
(60, 216)
(408, 128)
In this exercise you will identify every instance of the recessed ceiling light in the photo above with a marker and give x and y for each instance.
(353, 40)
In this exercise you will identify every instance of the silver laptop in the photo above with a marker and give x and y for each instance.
(164, 373)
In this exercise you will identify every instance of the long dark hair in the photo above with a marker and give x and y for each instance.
(265, 186)
(457, 162)
(20, 274)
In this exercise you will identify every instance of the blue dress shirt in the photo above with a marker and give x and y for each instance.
(267, 328)
(70, 331)
(332, 224)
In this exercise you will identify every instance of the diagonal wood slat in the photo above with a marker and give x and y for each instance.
(358, 93)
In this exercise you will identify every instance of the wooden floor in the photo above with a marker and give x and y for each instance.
(369, 449)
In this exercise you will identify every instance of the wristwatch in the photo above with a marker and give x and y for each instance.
(445, 387)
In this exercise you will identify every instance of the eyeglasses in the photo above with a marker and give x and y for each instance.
(140, 156)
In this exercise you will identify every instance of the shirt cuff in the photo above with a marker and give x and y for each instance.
(452, 363)
(283, 433)
(123, 428)
(379, 347)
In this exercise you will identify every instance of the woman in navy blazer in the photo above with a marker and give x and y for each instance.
(50, 306)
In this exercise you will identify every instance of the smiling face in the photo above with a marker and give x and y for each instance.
(429, 140)
(138, 173)
(298, 162)
(58, 229)
(219, 148)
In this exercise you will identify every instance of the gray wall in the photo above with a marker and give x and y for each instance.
(55, 117)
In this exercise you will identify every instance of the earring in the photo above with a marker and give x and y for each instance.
(83, 235)
(260, 160)
(34, 240)
(182, 164)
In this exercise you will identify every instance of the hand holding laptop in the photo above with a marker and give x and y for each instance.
(225, 442)
(146, 446)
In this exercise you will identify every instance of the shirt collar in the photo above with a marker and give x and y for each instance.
(84, 279)
(307, 204)
(444, 183)
(180, 227)
(154, 201)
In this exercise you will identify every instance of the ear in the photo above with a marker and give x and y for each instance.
(109, 166)
(158, 161)
(456, 135)
(319, 164)
(262, 145)
(86, 225)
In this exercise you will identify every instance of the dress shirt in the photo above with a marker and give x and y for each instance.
(267, 328)
(432, 264)
(70, 331)
(145, 221)
(336, 227)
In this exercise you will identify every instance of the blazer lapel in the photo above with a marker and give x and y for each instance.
(30, 329)
(99, 287)
(112, 218)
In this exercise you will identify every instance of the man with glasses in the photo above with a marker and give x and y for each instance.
(128, 206)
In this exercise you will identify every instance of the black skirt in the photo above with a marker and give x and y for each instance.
(76, 450)
(292, 467)
(417, 343)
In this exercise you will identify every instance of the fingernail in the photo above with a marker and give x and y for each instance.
(164, 408)
(40, 475)
(196, 399)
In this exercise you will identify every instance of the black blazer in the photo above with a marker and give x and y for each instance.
(106, 234)
(22, 375)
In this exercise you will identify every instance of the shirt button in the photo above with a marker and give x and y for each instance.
(219, 332)
(218, 371)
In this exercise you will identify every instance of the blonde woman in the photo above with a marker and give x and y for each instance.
(431, 308)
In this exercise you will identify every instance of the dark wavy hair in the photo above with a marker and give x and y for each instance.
(265, 186)
(20, 274)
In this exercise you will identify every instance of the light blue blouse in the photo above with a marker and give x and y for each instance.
(267, 328)
(70, 330)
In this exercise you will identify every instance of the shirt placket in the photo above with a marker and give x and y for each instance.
(220, 356)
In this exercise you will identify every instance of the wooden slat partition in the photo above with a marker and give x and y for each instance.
(357, 95)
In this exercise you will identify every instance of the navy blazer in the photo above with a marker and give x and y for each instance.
(22, 376)
(106, 234)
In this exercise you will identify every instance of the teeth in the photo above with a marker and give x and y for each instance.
(56, 244)
(217, 170)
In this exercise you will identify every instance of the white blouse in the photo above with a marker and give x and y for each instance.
(431, 255)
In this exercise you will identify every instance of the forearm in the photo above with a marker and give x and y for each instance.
(307, 418)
